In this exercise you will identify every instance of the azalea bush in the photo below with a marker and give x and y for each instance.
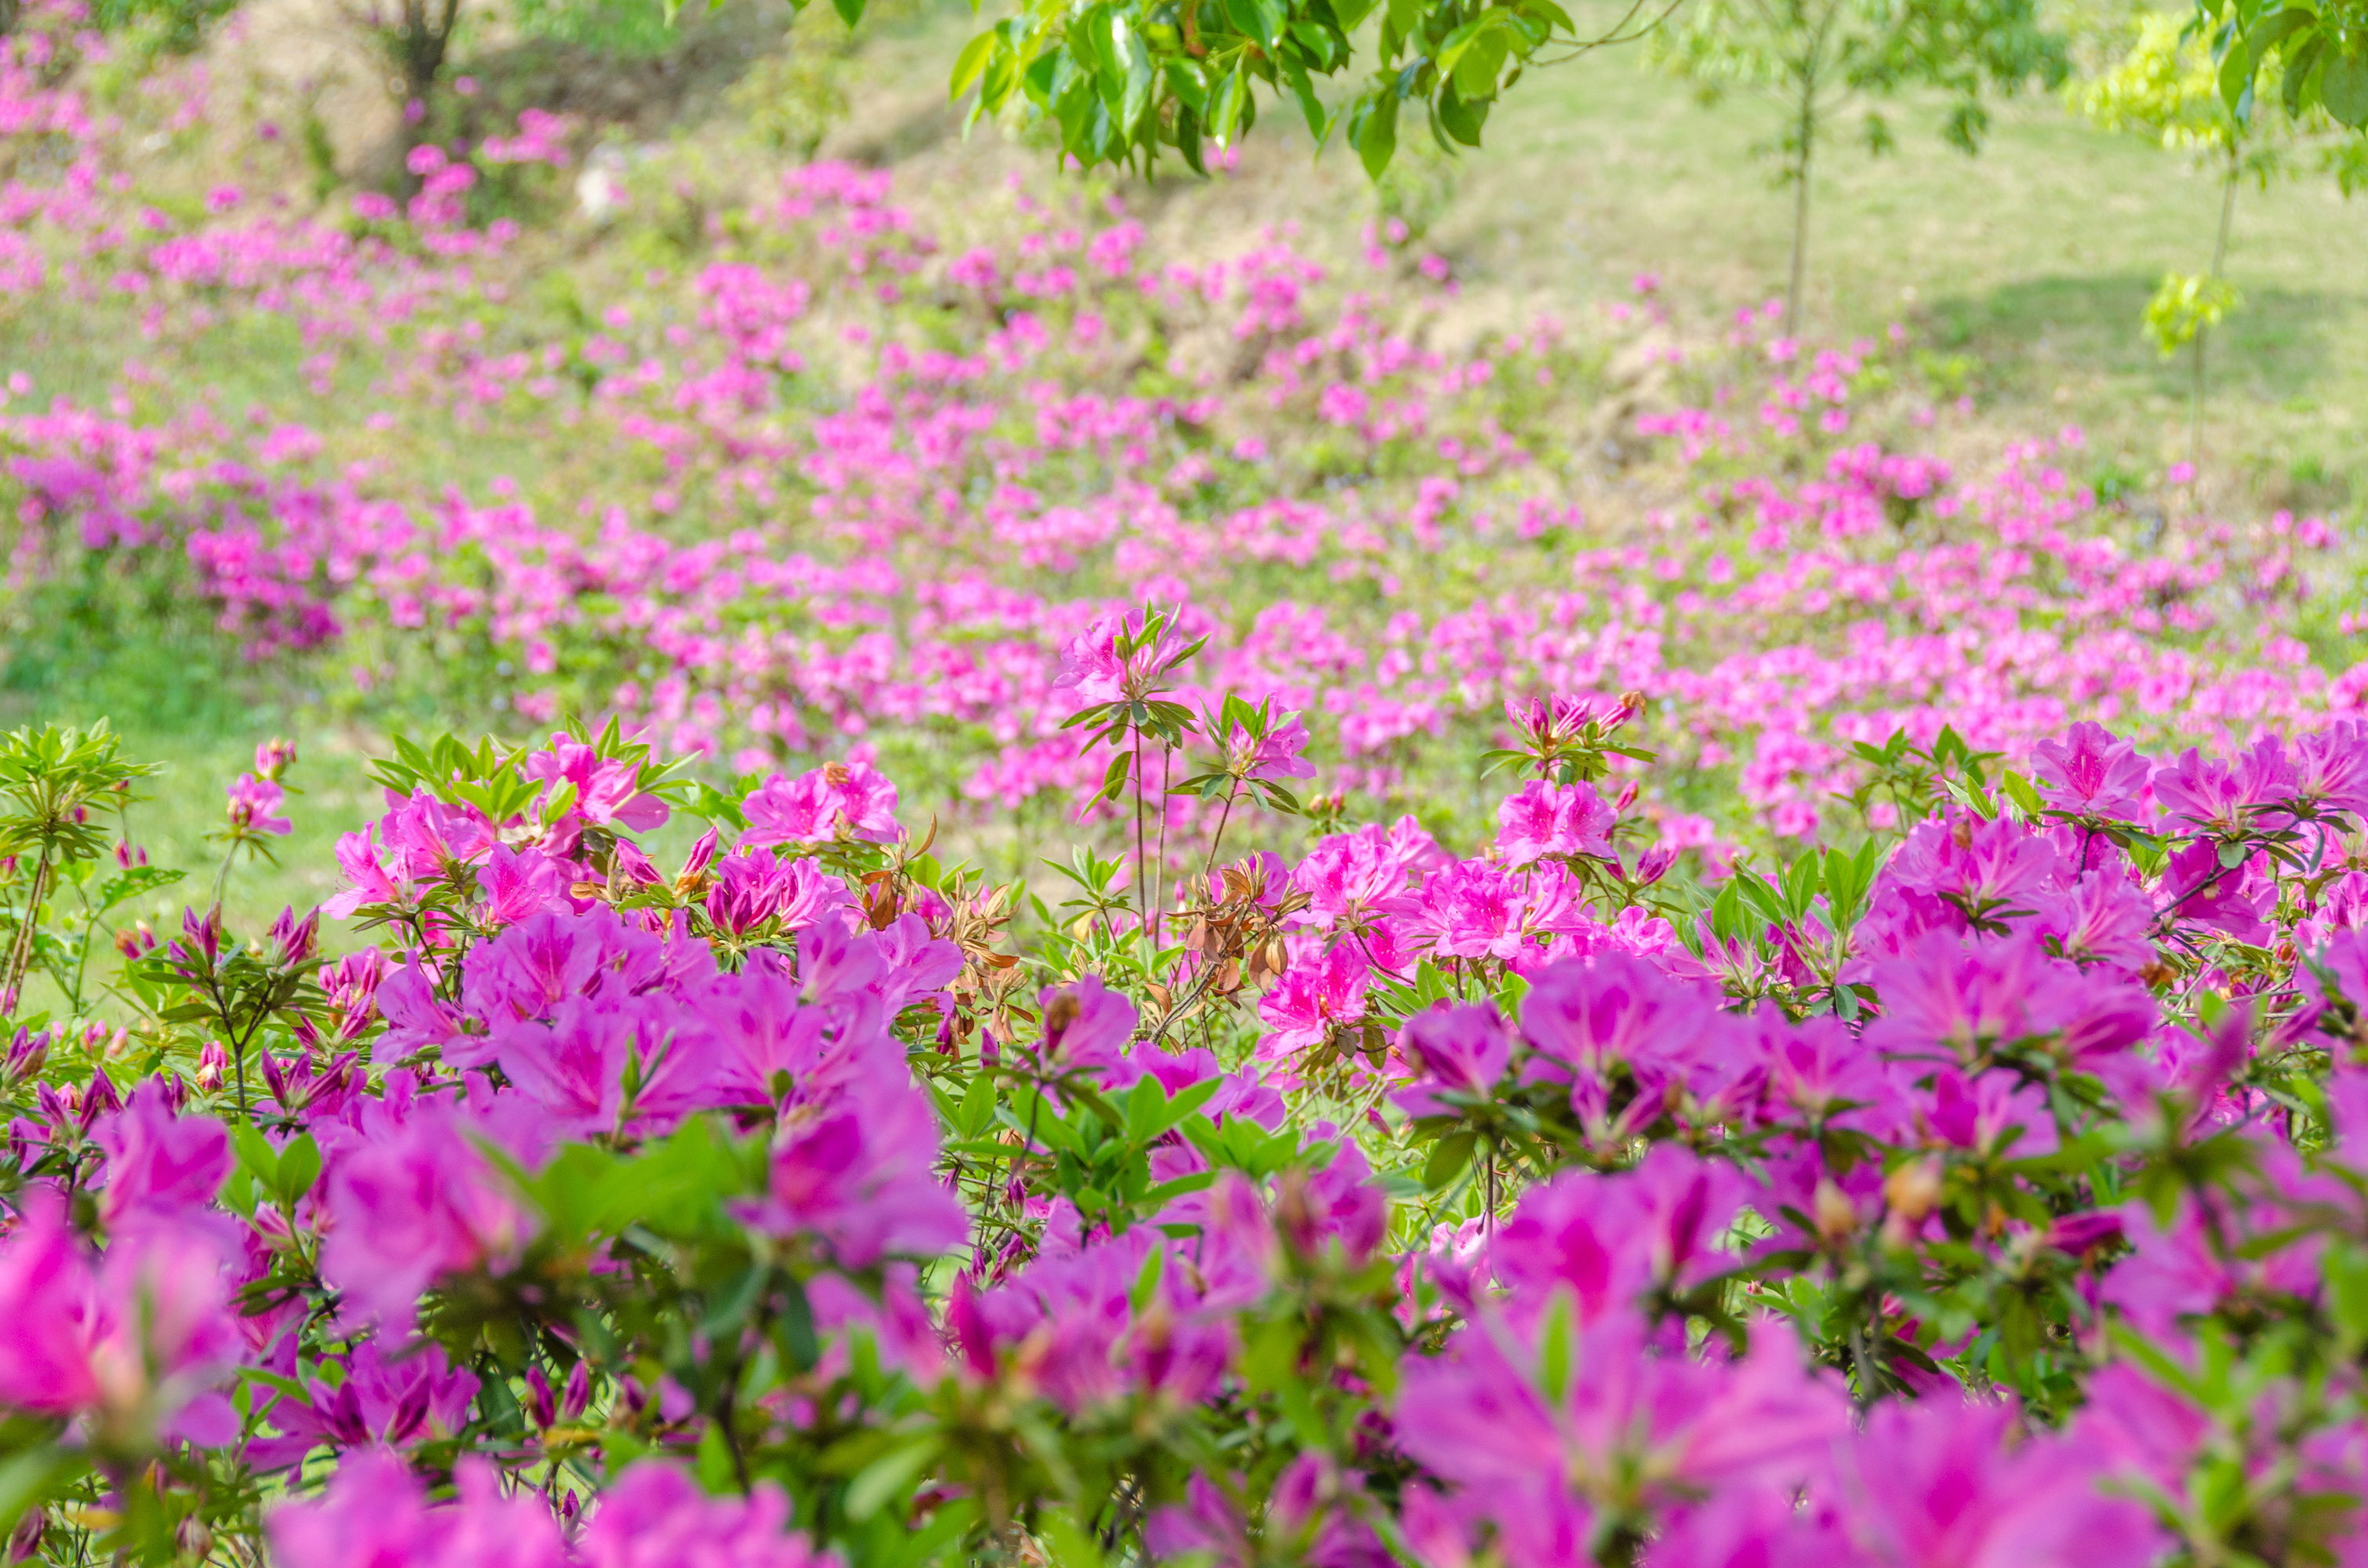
(1183, 926)
(1988, 1191)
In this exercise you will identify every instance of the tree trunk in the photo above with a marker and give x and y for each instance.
(1808, 131)
(2219, 259)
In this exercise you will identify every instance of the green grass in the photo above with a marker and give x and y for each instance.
(2036, 256)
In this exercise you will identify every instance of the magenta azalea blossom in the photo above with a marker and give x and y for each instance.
(657, 1516)
(253, 804)
(1542, 819)
(2089, 773)
(376, 1514)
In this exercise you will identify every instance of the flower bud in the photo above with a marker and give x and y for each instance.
(539, 1407)
(629, 868)
(24, 1541)
(206, 933)
(274, 757)
(214, 1064)
(701, 855)
(27, 1055)
(98, 1100)
(1836, 1215)
(578, 1392)
(1913, 1190)
(293, 940)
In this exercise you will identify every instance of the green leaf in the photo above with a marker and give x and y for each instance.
(2019, 790)
(1557, 1350)
(978, 1107)
(2300, 62)
(1260, 19)
(970, 63)
(1065, 1544)
(849, 11)
(1146, 1281)
(1377, 136)
(2344, 88)
(1475, 73)
(1226, 114)
(795, 1329)
(1310, 106)
(2236, 74)
(1448, 1159)
(133, 884)
(1114, 776)
(256, 1153)
(32, 1477)
(1185, 81)
(884, 1478)
(300, 1166)
(2267, 35)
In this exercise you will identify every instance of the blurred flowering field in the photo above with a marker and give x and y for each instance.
(1122, 903)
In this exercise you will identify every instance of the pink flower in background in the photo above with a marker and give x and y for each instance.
(252, 802)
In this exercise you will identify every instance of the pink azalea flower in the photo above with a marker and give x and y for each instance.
(138, 1340)
(384, 1398)
(253, 801)
(1086, 1025)
(1942, 1481)
(814, 807)
(376, 1514)
(656, 1516)
(409, 1204)
(607, 792)
(2091, 773)
(1310, 999)
(1461, 1048)
(1542, 819)
(857, 1173)
(2196, 887)
(1275, 756)
(159, 1165)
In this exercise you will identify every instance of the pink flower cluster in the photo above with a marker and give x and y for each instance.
(1697, 1236)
